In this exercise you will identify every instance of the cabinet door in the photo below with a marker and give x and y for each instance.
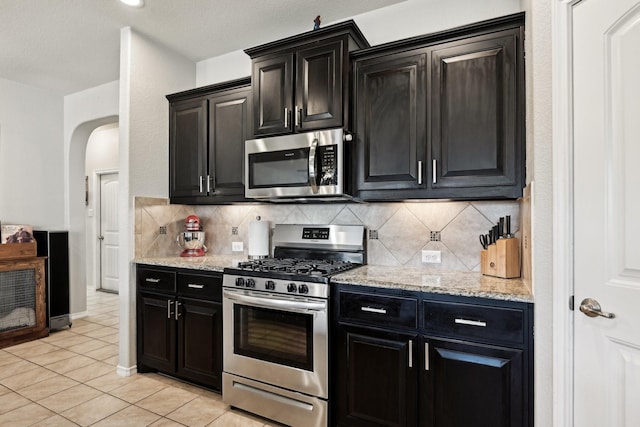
(376, 378)
(272, 82)
(200, 342)
(156, 333)
(465, 384)
(229, 127)
(391, 122)
(187, 148)
(319, 86)
(477, 128)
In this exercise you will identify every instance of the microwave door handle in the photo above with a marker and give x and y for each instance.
(313, 172)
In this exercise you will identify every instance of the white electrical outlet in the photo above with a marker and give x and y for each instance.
(237, 247)
(431, 257)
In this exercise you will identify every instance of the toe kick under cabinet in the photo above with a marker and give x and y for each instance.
(179, 323)
(419, 359)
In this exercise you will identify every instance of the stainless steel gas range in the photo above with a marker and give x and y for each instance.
(276, 322)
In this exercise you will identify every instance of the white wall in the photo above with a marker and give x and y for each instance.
(539, 170)
(31, 156)
(407, 19)
(148, 72)
(101, 155)
(83, 112)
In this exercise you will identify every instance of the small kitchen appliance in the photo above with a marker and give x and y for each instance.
(307, 166)
(192, 240)
(276, 323)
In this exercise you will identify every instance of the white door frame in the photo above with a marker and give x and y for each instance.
(97, 262)
(563, 224)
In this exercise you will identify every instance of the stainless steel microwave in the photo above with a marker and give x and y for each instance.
(299, 166)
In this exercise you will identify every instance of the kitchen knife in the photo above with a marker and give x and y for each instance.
(508, 220)
(501, 228)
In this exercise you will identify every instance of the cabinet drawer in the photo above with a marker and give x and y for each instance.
(461, 320)
(202, 286)
(379, 310)
(156, 280)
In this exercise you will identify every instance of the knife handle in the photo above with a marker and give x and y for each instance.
(501, 227)
(508, 224)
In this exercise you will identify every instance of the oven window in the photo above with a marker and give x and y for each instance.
(285, 168)
(275, 336)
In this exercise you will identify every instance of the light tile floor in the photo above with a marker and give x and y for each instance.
(69, 378)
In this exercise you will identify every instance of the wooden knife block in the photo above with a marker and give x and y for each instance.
(502, 259)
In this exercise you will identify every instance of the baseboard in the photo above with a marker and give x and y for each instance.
(79, 315)
(127, 372)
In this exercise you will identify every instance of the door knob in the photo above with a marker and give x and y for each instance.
(100, 237)
(592, 308)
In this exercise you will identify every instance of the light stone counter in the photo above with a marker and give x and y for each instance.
(450, 282)
(412, 279)
(209, 262)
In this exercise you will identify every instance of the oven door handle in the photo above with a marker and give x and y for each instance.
(276, 303)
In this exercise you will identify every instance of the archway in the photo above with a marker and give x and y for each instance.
(75, 199)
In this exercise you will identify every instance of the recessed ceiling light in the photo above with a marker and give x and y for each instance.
(133, 3)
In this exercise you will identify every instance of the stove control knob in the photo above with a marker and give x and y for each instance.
(292, 287)
(251, 283)
(239, 281)
(303, 289)
(269, 285)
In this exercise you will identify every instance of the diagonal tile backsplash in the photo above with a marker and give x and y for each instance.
(403, 229)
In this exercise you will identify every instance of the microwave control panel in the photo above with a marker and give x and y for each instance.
(328, 155)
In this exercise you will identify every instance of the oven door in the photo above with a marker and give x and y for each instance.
(277, 339)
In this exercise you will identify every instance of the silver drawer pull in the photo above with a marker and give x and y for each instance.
(151, 280)
(195, 286)
(374, 310)
(471, 322)
(411, 353)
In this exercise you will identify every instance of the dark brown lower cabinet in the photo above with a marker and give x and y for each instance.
(467, 384)
(377, 382)
(419, 359)
(179, 321)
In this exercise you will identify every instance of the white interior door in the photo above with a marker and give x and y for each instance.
(108, 233)
(606, 67)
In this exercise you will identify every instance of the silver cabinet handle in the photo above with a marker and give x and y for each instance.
(201, 179)
(433, 171)
(195, 286)
(151, 280)
(298, 114)
(470, 322)
(209, 183)
(286, 117)
(411, 353)
(177, 312)
(426, 356)
(419, 172)
(169, 304)
(592, 308)
(374, 310)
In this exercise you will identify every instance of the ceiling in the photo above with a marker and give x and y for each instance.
(70, 45)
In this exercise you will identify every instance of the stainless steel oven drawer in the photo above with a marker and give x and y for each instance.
(379, 310)
(201, 286)
(282, 405)
(474, 321)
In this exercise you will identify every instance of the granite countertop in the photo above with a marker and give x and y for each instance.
(413, 279)
(209, 262)
(470, 284)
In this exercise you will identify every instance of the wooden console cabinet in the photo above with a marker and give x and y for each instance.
(22, 295)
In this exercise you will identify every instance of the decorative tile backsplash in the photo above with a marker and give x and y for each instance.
(403, 228)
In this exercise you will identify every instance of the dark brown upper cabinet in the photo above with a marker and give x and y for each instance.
(442, 115)
(207, 130)
(302, 83)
